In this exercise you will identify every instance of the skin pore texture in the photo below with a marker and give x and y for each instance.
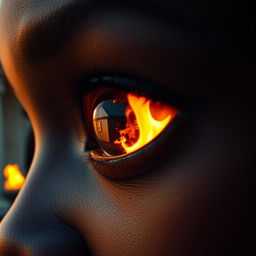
(190, 192)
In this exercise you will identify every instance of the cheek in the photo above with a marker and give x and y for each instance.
(156, 218)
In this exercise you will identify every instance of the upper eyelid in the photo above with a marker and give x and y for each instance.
(157, 92)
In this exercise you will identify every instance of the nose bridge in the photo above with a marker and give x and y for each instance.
(31, 228)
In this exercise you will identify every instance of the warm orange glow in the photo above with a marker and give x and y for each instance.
(151, 118)
(14, 177)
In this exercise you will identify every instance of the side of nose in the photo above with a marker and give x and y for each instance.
(32, 228)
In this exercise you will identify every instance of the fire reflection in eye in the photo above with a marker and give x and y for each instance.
(123, 126)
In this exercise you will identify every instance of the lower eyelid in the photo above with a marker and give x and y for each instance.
(144, 161)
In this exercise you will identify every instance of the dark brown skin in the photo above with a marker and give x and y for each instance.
(191, 192)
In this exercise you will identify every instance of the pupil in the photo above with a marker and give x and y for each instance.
(111, 119)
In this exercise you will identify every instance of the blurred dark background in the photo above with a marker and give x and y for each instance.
(16, 140)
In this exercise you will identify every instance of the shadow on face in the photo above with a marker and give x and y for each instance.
(187, 190)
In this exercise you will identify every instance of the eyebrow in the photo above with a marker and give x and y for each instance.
(48, 36)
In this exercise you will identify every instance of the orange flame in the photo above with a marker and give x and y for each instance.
(14, 177)
(150, 120)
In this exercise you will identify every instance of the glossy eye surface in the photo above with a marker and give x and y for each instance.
(127, 123)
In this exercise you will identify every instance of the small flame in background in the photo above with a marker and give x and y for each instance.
(14, 177)
(151, 118)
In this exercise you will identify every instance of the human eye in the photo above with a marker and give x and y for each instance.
(126, 123)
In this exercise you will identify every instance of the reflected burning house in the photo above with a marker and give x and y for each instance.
(109, 117)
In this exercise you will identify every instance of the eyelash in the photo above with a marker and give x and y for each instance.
(83, 84)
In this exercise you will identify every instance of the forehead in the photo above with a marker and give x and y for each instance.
(33, 20)
(186, 13)
(39, 20)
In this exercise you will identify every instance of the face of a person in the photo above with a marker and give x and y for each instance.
(187, 191)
